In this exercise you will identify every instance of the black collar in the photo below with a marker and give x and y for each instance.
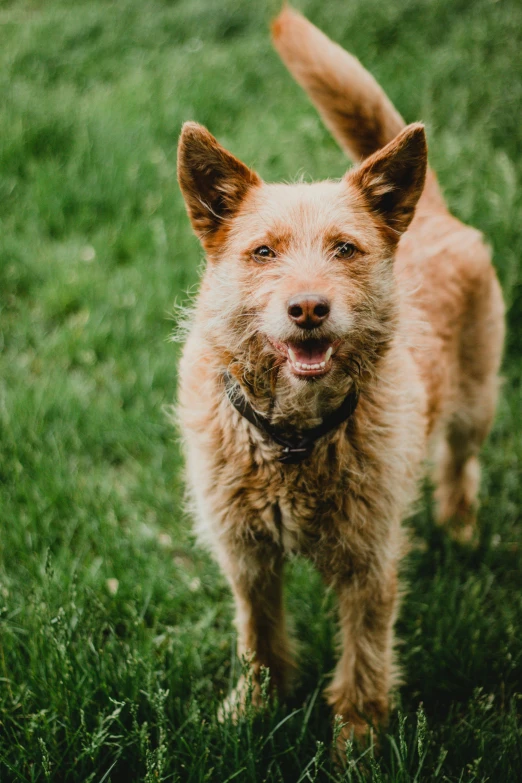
(298, 447)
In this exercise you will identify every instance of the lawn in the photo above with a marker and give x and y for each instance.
(116, 635)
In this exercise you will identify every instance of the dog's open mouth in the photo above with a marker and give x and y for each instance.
(308, 358)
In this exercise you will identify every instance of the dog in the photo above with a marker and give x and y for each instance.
(343, 332)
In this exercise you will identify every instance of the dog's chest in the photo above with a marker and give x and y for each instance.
(297, 507)
(301, 520)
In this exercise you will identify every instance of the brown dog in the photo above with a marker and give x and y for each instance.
(329, 346)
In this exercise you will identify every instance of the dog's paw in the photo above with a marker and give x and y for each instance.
(462, 527)
(245, 697)
(351, 740)
(466, 535)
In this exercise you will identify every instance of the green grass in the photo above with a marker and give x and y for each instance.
(99, 684)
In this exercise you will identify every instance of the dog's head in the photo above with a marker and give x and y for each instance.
(299, 290)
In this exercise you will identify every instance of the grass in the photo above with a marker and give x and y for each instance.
(116, 638)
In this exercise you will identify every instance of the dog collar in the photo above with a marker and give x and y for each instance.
(295, 448)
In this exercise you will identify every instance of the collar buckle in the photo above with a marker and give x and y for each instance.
(293, 455)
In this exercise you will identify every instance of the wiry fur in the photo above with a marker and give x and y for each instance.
(420, 327)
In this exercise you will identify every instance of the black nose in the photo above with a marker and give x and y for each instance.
(308, 310)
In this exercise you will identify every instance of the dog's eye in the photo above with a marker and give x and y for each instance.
(345, 250)
(263, 254)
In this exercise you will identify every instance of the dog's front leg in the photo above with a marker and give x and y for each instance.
(255, 573)
(359, 691)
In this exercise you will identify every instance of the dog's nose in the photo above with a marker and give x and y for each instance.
(308, 310)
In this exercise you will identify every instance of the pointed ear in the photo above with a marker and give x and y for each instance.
(392, 179)
(213, 182)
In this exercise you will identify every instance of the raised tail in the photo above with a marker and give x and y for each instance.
(353, 106)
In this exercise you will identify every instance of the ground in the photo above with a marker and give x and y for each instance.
(116, 636)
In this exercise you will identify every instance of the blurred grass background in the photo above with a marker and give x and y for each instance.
(115, 629)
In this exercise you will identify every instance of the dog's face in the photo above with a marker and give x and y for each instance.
(299, 288)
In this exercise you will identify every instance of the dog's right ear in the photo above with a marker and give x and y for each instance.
(392, 179)
(213, 182)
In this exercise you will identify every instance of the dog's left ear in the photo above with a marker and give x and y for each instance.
(392, 179)
(213, 182)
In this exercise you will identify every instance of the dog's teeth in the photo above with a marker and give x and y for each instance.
(328, 354)
(305, 366)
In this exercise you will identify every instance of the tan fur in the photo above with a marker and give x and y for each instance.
(419, 317)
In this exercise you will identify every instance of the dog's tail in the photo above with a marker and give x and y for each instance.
(351, 103)
(353, 106)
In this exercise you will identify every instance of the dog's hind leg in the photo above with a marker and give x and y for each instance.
(457, 473)
(457, 479)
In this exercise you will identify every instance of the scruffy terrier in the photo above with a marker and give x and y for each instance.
(341, 328)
